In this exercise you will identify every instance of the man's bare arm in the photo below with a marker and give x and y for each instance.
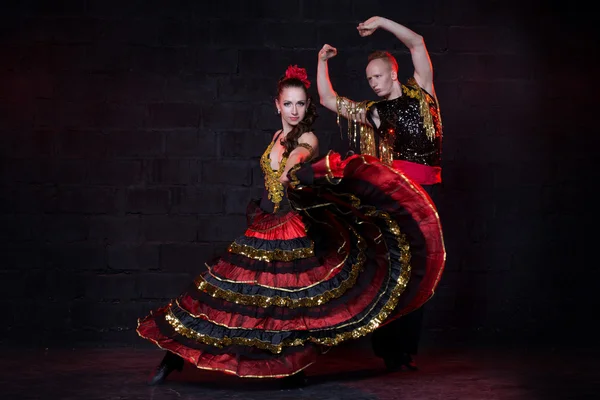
(328, 97)
(423, 73)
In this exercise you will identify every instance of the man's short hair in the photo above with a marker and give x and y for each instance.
(385, 56)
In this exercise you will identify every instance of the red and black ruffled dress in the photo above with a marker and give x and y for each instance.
(358, 244)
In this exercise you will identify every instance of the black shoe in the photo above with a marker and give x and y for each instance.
(170, 363)
(295, 381)
(393, 364)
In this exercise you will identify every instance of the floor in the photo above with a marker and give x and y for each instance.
(349, 374)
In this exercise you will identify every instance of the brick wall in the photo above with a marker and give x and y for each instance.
(130, 134)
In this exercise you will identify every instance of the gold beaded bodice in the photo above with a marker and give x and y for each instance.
(273, 186)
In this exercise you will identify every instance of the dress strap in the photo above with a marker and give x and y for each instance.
(278, 134)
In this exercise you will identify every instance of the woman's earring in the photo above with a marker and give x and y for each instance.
(278, 111)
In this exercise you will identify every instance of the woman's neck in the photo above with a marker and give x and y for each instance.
(285, 131)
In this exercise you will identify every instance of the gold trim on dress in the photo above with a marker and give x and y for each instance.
(275, 189)
(308, 147)
(329, 176)
(255, 282)
(229, 371)
(272, 255)
(294, 181)
(364, 330)
(437, 217)
(265, 301)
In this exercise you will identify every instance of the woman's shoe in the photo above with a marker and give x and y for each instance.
(170, 363)
(393, 364)
(295, 381)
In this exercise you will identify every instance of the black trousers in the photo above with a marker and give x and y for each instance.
(402, 335)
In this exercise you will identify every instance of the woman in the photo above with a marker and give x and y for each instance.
(327, 265)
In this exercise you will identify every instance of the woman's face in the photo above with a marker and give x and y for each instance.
(292, 104)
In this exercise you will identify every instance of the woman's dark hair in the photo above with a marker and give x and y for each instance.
(291, 140)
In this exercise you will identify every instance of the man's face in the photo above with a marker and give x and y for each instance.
(381, 77)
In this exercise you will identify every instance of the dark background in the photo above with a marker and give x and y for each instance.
(130, 133)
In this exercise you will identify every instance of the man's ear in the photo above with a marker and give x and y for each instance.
(394, 75)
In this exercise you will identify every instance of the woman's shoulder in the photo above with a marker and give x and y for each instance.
(308, 137)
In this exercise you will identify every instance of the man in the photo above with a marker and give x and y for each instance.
(404, 130)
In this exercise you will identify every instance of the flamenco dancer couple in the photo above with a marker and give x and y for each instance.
(336, 248)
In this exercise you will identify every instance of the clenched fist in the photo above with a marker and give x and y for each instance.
(327, 52)
(369, 26)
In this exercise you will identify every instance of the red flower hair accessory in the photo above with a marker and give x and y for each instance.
(293, 71)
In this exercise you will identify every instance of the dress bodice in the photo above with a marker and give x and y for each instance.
(274, 194)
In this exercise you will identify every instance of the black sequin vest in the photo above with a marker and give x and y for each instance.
(412, 134)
